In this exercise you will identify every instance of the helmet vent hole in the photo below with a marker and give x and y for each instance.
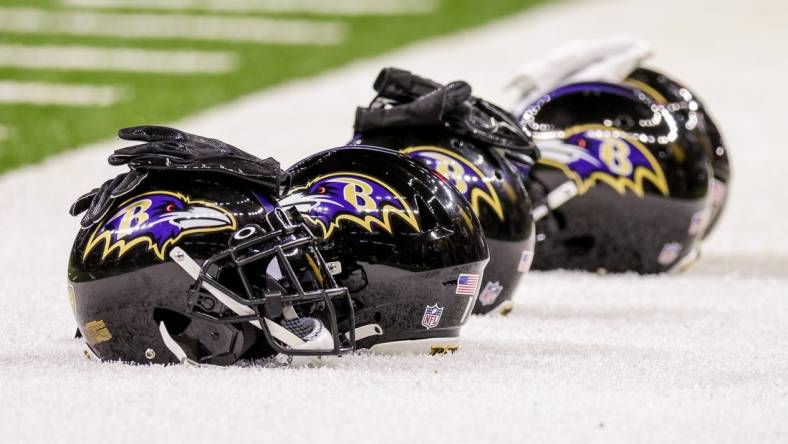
(624, 122)
(560, 219)
(378, 316)
(498, 175)
(175, 322)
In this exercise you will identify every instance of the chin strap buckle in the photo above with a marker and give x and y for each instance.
(366, 331)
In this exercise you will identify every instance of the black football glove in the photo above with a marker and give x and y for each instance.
(405, 99)
(427, 110)
(96, 202)
(169, 149)
(402, 86)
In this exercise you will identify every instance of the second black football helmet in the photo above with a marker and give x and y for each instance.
(470, 142)
(400, 238)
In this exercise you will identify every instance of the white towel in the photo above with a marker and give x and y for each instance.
(608, 59)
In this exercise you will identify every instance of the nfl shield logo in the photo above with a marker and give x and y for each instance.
(490, 293)
(432, 316)
(670, 252)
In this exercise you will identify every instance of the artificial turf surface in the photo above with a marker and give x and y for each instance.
(35, 132)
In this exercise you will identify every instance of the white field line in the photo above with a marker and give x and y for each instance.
(171, 26)
(88, 58)
(40, 93)
(343, 7)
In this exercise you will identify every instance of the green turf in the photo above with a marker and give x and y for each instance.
(36, 132)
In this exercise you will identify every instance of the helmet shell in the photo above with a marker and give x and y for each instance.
(399, 237)
(123, 282)
(694, 117)
(490, 183)
(640, 181)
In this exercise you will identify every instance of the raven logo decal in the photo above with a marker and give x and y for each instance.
(329, 200)
(469, 180)
(157, 220)
(588, 154)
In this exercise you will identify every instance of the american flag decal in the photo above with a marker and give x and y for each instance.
(467, 284)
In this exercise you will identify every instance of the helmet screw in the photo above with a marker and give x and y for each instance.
(178, 255)
(150, 354)
(207, 303)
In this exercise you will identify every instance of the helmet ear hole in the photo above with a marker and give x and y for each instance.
(176, 323)
(560, 219)
(580, 245)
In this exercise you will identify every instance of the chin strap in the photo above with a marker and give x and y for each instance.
(559, 196)
(366, 331)
(192, 268)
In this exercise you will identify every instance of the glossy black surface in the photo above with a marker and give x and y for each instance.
(130, 292)
(507, 222)
(693, 116)
(603, 228)
(224, 191)
(393, 276)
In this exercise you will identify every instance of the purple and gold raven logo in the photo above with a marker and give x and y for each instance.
(157, 220)
(469, 180)
(588, 154)
(328, 201)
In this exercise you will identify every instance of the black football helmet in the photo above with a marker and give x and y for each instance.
(694, 117)
(189, 258)
(623, 183)
(468, 141)
(399, 237)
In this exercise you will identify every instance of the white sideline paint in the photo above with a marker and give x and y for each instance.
(86, 58)
(40, 93)
(343, 7)
(700, 357)
(171, 26)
